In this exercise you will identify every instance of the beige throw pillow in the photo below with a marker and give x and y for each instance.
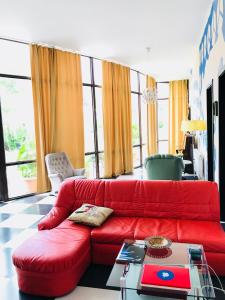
(89, 214)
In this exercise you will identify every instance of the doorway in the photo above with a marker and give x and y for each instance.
(210, 132)
(222, 144)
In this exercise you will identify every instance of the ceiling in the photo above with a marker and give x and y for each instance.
(116, 30)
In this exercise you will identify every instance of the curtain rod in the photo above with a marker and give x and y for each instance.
(28, 43)
(15, 41)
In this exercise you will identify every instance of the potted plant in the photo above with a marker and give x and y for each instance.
(28, 170)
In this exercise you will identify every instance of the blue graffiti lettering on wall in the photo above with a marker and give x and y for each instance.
(210, 35)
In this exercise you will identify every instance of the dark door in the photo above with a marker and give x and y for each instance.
(210, 133)
(222, 143)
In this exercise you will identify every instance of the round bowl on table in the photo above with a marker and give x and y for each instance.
(157, 242)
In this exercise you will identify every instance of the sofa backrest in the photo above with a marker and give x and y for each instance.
(73, 193)
(163, 199)
(197, 200)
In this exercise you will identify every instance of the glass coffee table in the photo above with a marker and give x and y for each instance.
(127, 276)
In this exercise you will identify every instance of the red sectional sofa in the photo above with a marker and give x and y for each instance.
(52, 261)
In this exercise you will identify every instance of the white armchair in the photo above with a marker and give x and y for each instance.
(59, 169)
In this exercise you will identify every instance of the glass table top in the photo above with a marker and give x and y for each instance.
(178, 255)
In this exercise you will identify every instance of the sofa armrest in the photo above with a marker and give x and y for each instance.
(79, 172)
(56, 216)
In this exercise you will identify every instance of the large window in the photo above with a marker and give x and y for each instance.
(163, 114)
(17, 138)
(93, 118)
(139, 118)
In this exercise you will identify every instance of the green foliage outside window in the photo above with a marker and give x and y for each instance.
(20, 142)
(26, 151)
(14, 139)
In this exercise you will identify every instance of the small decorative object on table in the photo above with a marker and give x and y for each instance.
(158, 246)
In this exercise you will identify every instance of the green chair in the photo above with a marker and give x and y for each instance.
(164, 167)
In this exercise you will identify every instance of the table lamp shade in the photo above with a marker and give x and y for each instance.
(193, 125)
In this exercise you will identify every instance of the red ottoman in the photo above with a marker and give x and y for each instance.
(52, 261)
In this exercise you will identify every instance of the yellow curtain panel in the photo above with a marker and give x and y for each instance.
(178, 111)
(152, 130)
(69, 124)
(117, 120)
(58, 109)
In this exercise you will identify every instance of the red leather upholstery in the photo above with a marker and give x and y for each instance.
(210, 234)
(55, 283)
(51, 262)
(54, 218)
(74, 193)
(216, 261)
(104, 254)
(56, 253)
(188, 200)
(114, 230)
(149, 227)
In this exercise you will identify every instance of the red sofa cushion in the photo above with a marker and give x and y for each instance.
(54, 250)
(114, 230)
(149, 226)
(197, 200)
(210, 234)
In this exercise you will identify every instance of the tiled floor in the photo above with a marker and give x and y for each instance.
(18, 221)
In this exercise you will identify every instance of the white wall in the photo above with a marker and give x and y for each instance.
(208, 65)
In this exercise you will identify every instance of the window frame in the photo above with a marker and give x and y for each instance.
(161, 99)
(4, 193)
(139, 94)
(93, 85)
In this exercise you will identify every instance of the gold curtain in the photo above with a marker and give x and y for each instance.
(117, 119)
(58, 109)
(42, 61)
(178, 111)
(152, 130)
(69, 124)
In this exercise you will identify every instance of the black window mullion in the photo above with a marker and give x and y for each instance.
(94, 116)
(15, 76)
(139, 113)
(20, 162)
(90, 85)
